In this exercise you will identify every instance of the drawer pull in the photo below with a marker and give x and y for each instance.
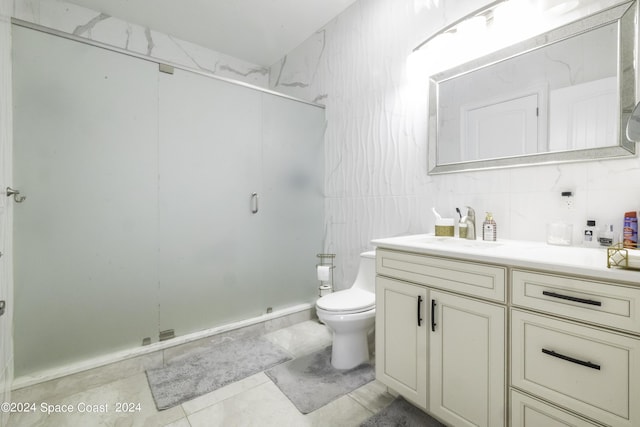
(574, 299)
(571, 359)
(419, 303)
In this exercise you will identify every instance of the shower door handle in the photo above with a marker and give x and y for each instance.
(16, 195)
(254, 203)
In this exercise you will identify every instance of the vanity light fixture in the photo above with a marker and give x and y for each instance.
(558, 7)
(486, 15)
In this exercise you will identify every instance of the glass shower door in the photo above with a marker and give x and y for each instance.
(293, 208)
(85, 239)
(210, 165)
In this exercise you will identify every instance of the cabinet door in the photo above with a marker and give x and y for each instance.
(401, 338)
(467, 361)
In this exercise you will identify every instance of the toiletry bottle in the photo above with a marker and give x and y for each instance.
(489, 228)
(606, 237)
(589, 235)
(630, 231)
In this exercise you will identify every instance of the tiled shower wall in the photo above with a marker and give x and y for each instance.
(377, 184)
(86, 23)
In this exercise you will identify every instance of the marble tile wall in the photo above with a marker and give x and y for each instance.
(103, 28)
(6, 286)
(377, 185)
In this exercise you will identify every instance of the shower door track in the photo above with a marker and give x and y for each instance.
(101, 45)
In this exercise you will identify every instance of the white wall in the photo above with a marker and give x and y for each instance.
(376, 159)
(6, 285)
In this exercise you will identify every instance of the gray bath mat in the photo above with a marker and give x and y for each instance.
(310, 382)
(194, 375)
(401, 413)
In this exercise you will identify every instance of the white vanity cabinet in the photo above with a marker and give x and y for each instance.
(575, 344)
(572, 350)
(437, 344)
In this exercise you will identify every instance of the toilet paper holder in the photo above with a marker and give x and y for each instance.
(324, 271)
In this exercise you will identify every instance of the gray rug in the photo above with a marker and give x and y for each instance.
(204, 371)
(310, 382)
(401, 413)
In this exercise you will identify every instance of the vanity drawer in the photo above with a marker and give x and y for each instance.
(485, 281)
(591, 301)
(529, 412)
(588, 370)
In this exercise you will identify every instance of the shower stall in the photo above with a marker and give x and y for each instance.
(159, 200)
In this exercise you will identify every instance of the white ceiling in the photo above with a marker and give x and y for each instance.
(257, 31)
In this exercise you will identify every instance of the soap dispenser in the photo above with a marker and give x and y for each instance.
(489, 228)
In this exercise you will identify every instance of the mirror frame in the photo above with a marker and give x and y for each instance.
(625, 16)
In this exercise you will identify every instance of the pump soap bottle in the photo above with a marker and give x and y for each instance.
(589, 238)
(489, 228)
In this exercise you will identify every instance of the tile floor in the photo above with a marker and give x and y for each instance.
(254, 401)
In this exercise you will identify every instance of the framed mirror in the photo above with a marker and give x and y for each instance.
(633, 125)
(563, 96)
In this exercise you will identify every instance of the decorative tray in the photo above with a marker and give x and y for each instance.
(619, 256)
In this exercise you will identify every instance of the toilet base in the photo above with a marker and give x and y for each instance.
(350, 336)
(349, 350)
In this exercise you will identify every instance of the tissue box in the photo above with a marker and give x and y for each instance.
(445, 227)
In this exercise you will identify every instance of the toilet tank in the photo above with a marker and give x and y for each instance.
(366, 278)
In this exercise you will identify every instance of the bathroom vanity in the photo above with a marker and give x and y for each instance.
(508, 333)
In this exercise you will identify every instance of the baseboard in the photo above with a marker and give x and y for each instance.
(84, 365)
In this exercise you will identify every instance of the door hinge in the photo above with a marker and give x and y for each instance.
(167, 335)
(165, 68)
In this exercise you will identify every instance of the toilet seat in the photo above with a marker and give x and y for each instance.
(348, 301)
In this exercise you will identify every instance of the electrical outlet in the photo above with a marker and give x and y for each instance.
(567, 199)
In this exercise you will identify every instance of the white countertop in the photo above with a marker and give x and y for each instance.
(570, 260)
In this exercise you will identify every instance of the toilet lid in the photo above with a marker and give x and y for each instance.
(352, 300)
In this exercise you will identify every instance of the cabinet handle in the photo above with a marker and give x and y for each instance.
(570, 298)
(419, 303)
(254, 203)
(571, 359)
(433, 315)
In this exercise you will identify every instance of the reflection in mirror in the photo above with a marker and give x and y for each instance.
(633, 125)
(562, 96)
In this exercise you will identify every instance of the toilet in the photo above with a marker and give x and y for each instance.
(350, 315)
